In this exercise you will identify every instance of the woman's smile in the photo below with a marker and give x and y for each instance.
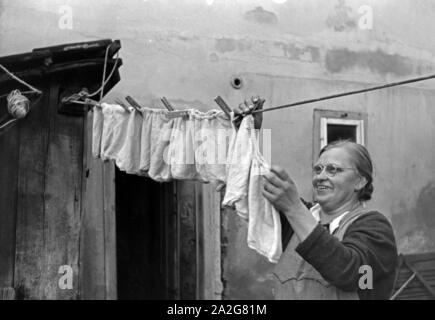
(321, 188)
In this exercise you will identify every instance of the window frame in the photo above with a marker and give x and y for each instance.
(324, 121)
(341, 117)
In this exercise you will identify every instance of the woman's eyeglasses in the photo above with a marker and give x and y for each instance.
(330, 169)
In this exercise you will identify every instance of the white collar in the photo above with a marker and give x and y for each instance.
(333, 225)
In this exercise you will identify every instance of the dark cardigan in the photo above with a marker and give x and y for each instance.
(369, 240)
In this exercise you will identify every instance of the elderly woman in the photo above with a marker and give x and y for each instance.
(338, 249)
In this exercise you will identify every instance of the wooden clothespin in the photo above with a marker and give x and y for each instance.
(86, 101)
(77, 98)
(172, 112)
(223, 105)
(91, 102)
(133, 103)
(167, 104)
(118, 101)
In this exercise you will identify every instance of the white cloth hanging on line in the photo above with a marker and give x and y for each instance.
(149, 143)
(246, 166)
(202, 146)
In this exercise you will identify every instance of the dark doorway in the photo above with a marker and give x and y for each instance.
(146, 237)
(341, 132)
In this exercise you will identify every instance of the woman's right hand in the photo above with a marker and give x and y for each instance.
(246, 107)
(281, 191)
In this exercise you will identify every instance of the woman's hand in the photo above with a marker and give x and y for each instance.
(246, 107)
(281, 191)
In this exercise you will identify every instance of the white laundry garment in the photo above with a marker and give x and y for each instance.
(181, 152)
(128, 159)
(114, 130)
(264, 225)
(161, 129)
(145, 148)
(150, 143)
(239, 161)
(97, 130)
(244, 185)
(211, 131)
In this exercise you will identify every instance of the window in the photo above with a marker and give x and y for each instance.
(332, 129)
(340, 131)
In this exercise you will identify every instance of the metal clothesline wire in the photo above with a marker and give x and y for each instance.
(346, 93)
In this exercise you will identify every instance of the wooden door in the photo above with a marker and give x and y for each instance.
(168, 239)
(98, 278)
(41, 161)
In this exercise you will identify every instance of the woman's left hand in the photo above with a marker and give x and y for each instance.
(281, 191)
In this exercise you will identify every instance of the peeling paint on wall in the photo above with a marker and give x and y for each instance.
(224, 45)
(338, 60)
(184, 36)
(341, 19)
(302, 53)
(290, 50)
(213, 57)
(227, 45)
(259, 15)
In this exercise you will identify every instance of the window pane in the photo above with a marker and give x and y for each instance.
(341, 132)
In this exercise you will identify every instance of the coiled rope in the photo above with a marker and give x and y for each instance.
(18, 103)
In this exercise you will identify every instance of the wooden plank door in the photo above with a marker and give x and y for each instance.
(98, 225)
(48, 200)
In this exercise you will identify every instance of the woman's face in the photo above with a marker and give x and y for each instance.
(332, 192)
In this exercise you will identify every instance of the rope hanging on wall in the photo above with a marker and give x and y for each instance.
(18, 103)
(18, 106)
(83, 95)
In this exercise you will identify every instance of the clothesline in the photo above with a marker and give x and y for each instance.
(224, 106)
(346, 93)
(173, 113)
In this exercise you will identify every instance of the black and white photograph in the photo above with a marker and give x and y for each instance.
(232, 152)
